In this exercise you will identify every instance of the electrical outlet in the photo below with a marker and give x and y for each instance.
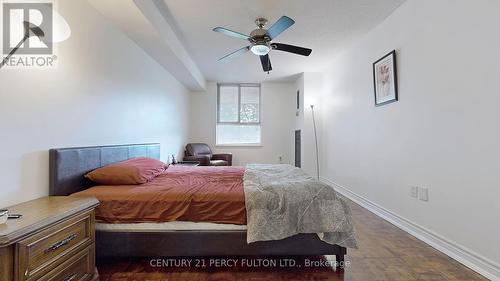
(414, 191)
(423, 193)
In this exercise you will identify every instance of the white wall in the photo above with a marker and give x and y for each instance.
(444, 132)
(277, 120)
(105, 91)
(299, 115)
(312, 90)
(310, 86)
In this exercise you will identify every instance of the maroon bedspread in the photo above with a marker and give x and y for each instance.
(196, 194)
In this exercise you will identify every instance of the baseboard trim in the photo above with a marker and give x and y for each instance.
(472, 260)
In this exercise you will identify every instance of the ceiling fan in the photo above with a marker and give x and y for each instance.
(260, 41)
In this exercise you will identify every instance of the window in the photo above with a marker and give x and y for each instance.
(238, 114)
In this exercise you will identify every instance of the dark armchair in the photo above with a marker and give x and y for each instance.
(202, 153)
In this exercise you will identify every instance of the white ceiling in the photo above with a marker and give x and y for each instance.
(326, 26)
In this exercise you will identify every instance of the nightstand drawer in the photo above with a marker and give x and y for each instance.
(79, 267)
(39, 252)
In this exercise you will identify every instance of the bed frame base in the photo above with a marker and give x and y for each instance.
(208, 243)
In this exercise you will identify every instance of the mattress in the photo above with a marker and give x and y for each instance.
(168, 226)
(189, 194)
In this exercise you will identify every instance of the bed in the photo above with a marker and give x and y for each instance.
(133, 239)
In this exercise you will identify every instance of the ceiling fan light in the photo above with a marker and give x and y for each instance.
(260, 49)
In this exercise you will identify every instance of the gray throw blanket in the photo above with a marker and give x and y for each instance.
(282, 201)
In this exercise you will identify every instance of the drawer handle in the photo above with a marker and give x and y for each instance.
(71, 277)
(60, 243)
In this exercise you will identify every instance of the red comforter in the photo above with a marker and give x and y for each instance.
(196, 194)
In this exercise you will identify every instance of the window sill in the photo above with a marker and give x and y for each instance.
(240, 145)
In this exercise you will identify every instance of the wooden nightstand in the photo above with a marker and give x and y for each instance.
(54, 240)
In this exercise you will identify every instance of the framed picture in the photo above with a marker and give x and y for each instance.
(385, 79)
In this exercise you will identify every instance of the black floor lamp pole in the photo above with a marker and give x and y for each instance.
(316, 142)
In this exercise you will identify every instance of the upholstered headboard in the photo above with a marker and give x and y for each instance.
(69, 165)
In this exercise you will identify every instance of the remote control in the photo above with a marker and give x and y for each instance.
(14, 216)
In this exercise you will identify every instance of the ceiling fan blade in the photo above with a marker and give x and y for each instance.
(278, 27)
(236, 53)
(231, 33)
(266, 63)
(291, 49)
